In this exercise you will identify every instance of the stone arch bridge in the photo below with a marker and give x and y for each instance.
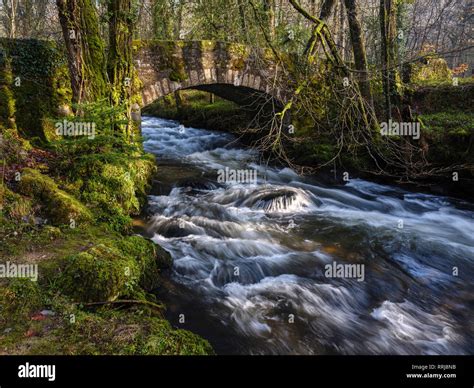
(242, 74)
(239, 73)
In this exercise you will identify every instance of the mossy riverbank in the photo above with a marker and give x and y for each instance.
(67, 210)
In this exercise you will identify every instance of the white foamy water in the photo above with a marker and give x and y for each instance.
(249, 259)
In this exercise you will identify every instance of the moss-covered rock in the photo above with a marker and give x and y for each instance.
(163, 340)
(18, 298)
(151, 259)
(59, 206)
(434, 70)
(113, 267)
(14, 206)
(102, 273)
(117, 187)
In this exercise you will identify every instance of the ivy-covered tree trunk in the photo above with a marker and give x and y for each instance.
(358, 49)
(85, 49)
(243, 20)
(269, 9)
(7, 101)
(120, 60)
(122, 20)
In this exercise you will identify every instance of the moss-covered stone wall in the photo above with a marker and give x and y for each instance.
(34, 85)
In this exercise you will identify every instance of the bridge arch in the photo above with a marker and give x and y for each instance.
(232, 71)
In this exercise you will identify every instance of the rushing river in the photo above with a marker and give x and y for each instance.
(287, 265)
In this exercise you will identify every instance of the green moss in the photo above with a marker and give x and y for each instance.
(117, 186)
(59, 206)
(13, 149)
(151, 259)
(444, 99)
(163, 340)
(102, 273)
(448, 136)
(238, 54)
(117, 333)
(41, 70)
(108, 173)
(208, 45)
(171, 59)
(435, 70)
(94, 66)
(112, 268)
(197, 111)
(14, 206)
(18, 298)
(7, 101)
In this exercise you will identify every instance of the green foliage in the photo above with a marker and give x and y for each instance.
(105, 116)
(197, 111)
(163, 14)
(292, 38)
(108, 172)
(455, 123)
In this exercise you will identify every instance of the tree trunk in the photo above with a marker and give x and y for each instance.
(358, 49)
(341, 35)
(85, 49)
(326, 9)
(243, 21)
(269, 7)
(120, 60)
(388, 32)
